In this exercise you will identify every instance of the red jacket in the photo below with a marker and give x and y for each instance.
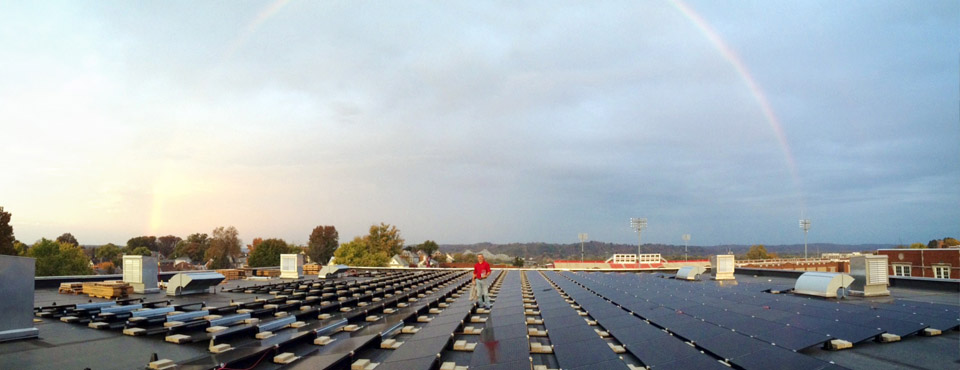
(479, 268)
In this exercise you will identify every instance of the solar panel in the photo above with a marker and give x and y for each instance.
(731, 345)
(509, 351)
(637, 334)
(778, 358)
(792, 338)
(694, 362)
(584, 352)
(696, 330)
(662, 351)
(894, 326)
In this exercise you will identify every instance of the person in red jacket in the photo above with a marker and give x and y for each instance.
(480, 273)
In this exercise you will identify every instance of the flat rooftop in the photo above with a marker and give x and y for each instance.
(411, 319)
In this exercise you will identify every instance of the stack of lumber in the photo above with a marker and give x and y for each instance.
(270, 273)
(311, 269)
(71, 288)
(233, 274)
(107, 289)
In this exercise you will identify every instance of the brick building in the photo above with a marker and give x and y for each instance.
(940, 263)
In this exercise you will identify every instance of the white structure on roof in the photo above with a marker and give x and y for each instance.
(822, 284)
(398, 261)
(141, 273)
(291, 266)
(632, 258)
(870, 275)
(722, 267)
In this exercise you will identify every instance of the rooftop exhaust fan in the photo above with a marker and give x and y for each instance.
(722, 266)
(822, 284)
(291, 266)
(141, 273)
(16, 320)
(870, 274)
(690, 272)
(193, 283)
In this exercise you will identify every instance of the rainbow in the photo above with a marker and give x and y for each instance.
(252, 27)
(744, 73)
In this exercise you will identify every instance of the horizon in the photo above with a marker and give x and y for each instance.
(466, 121)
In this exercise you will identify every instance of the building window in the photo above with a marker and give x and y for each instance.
(941, 272)
(901, 270)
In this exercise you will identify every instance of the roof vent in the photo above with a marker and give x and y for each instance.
(690, 272)
(822, 284)
(291, 266)
(721, 267)
(870, 274)
(193, 283)
(141, 273)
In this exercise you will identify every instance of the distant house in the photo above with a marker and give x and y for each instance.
(398, 261)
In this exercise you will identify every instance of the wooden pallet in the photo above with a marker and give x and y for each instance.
(107, 289)
(71, 288)
(233, 274)
(311, 269)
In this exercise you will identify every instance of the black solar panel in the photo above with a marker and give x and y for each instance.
(637, 334)
(584, 352)
(731, 345)
(778, 358)
(662, 351)
(792, 338)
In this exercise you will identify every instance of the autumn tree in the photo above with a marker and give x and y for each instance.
(323, 242)
(359, 253)
(757, 252)
(109, 252)
(149, 242)
(268, 253)
(68, 238)
(918, 246)
(166, 244)
(6, 234)
(385, 238)
(194, 247)
(20, 248)
(59, 259)
(253, 245)
(947, 242)
(224, 245)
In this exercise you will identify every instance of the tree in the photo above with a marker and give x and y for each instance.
(518, 262)
(253, 245)
(107, 267)
(947, 242)
(933, 243)
(385, 238)
(757, 252)
(59, 259)
(918, 246)
(359, 253)
(268, 253)
(323, 242)
(20, 248)
(428, 247)
(224, 245)
(149, 242)
(109, 252)
(68, 238)
(195, 247)
(166, 244)
(6, 234)
(141, 251)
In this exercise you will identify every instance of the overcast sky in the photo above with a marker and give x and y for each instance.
(475, 121)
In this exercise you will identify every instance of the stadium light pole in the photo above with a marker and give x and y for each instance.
(583, 238)
(686, 240)
(638, 224)
(805, 225)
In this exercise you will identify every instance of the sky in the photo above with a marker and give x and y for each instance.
(490, 121)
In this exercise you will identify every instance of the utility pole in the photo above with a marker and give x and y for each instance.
(686, 240)
(805, 225)
(583, 238)
(638, 224)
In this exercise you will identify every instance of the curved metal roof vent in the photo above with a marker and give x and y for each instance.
(690, 272)
(193, 283)
(822, 284)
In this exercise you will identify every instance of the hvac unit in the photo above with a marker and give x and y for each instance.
(17, 277)
(722, 266)
(822, 284)
(332, 271)
(291, 266)
(141, 273)
(193, 283)
(870, 275)
(690, 272)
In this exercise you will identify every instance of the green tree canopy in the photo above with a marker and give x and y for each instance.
(109, 252)
(20, 248)
(195, 247)
(918, 246)
(6, 234)
(323, 242)
(757, 252)
(268, 252)
(224, 244)
(149, 242)
(518, 262)
(68, 238)
(385, 238)
(359, 253)
(950, 242)
(142, 251)
(428, 247)
(166, 244)
(59, 259)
